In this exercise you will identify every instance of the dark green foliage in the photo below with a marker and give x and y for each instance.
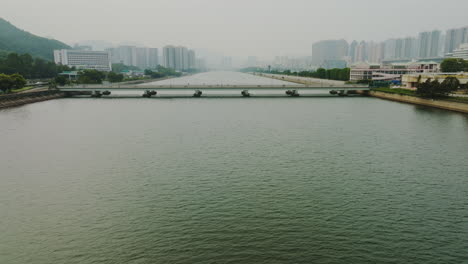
(25, 65)
(18, 81)
(119, 67)
(399, 91)
(6, 83)
(162, 72)
(449, 85)
(91, 77)
(115, 77)
(61, 80)
(9, 82)
(321, 73)
(434, 88)
(16, 40)
(454, 65)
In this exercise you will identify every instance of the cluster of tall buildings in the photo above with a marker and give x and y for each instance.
(83, 57)
(291, 63)
(176, 57)
(427, 45)
(141, 57)
(179, 58)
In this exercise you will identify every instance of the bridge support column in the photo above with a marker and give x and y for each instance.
(197, 93)
(292, 93)
(149, 93)
(96, 94)
(343, 93)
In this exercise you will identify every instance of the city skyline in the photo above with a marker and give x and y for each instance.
(223, 27)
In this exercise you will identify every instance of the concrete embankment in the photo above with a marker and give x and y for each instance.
(11, 100)
(442, 104)
(301, 80)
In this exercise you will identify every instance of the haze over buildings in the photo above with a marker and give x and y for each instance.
(235, 28)
(428, 45)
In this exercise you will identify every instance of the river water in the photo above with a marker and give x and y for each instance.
(253, 180)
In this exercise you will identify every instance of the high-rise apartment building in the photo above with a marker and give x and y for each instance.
(352, 51)
(375, 52)
(143, 58)
(429, 43)
(123, 54)
(191, 59)
(179, 58)
(361, 54)
(84, 59)
(454, 38)
(153, 58)
(169, 60)
(327, 51)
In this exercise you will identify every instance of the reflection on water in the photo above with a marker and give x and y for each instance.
(304, 180)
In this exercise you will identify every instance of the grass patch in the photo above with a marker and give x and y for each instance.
(396, 91)
(22, 89)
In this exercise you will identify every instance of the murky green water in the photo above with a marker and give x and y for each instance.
(257, 180)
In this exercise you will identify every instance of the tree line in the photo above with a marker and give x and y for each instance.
(162, 72)
(11, 82)
(454, 65)
(320, 73)
(29, 67)
(97, 77)
(434, 88)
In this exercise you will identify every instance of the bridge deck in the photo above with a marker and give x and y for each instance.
(204, 87)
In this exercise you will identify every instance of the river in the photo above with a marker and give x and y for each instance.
(232, 180)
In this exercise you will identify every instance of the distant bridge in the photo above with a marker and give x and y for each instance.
(199, 90)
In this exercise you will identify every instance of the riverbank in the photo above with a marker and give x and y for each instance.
(301, 80)
(408, 98)
(12, 100)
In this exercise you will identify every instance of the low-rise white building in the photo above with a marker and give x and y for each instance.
(389, 72)
(461, 52)
(84, 59)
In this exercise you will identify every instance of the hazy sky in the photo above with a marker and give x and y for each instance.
(263, 28)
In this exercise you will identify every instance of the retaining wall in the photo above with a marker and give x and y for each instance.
(11, 100)
(453, 106)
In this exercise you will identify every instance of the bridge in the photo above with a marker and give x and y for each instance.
(200, 90)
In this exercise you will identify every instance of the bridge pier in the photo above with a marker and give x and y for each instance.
(149, 93)
(292, 93)
(96, 94)
(197, 93)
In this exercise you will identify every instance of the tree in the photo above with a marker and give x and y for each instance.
(61, 80)
(90, 77)
(453, 65)
(18, 81)
(119, 67)
(115, 77)
(449, 85)
(6, 83)
(321, 73)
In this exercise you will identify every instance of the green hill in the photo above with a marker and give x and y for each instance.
(13, 39)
